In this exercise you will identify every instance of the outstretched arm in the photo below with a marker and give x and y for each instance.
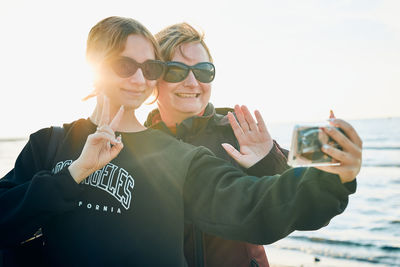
(226, 202)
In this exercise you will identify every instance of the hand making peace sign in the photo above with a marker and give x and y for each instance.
(101, 147)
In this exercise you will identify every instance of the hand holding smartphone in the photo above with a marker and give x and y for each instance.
(306, 146)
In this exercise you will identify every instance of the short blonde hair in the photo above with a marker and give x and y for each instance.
(175, 35)
(108, 37)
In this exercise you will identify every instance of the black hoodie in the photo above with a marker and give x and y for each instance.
(131, 212)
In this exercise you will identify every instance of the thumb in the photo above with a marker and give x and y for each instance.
(332, 117)
(331, 114)
(117, 147)
(232, 152)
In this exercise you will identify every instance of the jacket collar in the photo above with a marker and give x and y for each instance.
(193, 124)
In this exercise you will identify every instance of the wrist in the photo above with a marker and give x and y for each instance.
(345, 179)
(77, 172)
(269, 148)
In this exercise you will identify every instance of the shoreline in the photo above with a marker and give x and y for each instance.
(279, 257)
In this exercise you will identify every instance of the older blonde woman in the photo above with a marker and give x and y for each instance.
(185, 112)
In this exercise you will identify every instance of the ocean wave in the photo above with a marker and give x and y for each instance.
(381, 147)
(367, 258)
(396, 165)
(371, 253)
(331, 242)
(391, 248)
(379, 229)
(344, 243)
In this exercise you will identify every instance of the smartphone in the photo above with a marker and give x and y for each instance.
(306, 146)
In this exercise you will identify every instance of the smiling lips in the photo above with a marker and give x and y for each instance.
(187, 95)
(132, 92)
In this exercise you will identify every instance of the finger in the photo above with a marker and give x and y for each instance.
(110, 139)
(117, 147)
(335, 153)
(117, 119)
(105, 112)
(99, 109)
(232, 151)
(331, 169)
(260, 122)
(249, 118)
(106, 129)
(237, 130)
(241, 119)
(97, 114)
(341, 139)
(331, 114)
(349, 131)
(103, 136)
(119, 138)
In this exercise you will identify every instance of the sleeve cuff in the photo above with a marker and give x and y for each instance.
(71, 188)
(275, 162)
(344, 188)
(351, 186)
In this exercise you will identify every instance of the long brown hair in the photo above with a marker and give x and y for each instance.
(108, 37)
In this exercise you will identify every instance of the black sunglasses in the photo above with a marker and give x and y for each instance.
(125, 67)
(178, 71)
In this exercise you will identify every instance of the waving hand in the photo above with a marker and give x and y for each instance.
(254, 139)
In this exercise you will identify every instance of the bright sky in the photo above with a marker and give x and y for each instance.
(292, 60)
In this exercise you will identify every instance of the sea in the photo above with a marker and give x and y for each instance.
(368, 232)
(369, 229)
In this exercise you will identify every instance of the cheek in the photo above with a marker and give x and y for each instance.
(102, 86)
(106, 82)
(206, 90)
(165, 88)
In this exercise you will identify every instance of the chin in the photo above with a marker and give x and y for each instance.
(188, 110)
(191, 108)
(129, 107)
(189, 113)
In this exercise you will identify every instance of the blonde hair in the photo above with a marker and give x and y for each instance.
(175, 35)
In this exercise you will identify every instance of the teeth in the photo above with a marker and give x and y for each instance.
(187, 95)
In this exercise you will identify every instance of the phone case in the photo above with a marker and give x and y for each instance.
(306, 146)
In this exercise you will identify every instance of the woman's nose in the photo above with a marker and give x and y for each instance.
(191, 80)
(138, 77)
